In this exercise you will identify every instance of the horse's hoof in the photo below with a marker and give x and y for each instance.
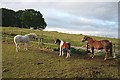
(92, 57)
(114, 56)
(59, 55)
(66, 57)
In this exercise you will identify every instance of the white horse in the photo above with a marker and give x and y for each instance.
(24, 39)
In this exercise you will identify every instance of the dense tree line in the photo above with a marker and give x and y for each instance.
(23, 18)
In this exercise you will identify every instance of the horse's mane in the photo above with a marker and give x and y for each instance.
(29, 34)
(91, 38)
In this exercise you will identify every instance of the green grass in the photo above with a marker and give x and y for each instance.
(42, 62)
(51, 36)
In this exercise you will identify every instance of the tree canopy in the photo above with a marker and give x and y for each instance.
(23, 18)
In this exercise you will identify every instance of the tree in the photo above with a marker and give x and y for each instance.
(8, 17)
(31, 18)
(23, 18)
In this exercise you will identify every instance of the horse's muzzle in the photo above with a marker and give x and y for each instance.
(55, 42)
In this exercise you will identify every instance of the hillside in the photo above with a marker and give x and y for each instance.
(42, 62)
(50, 36)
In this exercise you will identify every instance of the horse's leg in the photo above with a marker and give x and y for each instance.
(68, 53)
(25, 46)
(16, 47)
(106, 54)
(87, 47)
(60, 51)
(92, 52)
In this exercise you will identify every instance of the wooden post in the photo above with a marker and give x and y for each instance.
(21, 32)
(87, 46)
(38, 41)
(114, 48)
(3, 32)
(42, 41)
(42, 38)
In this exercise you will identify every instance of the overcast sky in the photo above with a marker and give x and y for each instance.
(74, 16)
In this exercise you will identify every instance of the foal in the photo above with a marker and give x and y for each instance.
(63, 46)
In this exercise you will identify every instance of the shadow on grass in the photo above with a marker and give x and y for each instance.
(87, 55)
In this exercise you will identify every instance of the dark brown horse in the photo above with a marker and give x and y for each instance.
(102, 44)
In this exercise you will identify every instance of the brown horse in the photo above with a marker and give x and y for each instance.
(102, 44)
(63, 46)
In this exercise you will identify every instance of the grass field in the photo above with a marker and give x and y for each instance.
(42, 62)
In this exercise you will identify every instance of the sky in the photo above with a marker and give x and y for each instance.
(88, 17)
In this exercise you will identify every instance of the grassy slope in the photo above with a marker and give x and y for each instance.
(50, 36)
(42, 62)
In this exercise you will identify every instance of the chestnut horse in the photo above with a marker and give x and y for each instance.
(102, 44)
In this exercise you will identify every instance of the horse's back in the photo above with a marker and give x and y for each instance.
(106, 42)
(20, 38)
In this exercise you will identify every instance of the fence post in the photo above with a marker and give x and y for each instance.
(87, 46)
(3, 33)
(38, 41)
(42, 38)
(41, 41)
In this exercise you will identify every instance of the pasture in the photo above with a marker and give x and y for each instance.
(42, 62)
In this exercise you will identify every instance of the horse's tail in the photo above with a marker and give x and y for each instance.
(15, 40)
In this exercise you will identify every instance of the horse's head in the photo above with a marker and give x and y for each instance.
(85, 38)
(57, 41)
(33, 36)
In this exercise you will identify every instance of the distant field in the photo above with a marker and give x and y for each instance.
(42, 62)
